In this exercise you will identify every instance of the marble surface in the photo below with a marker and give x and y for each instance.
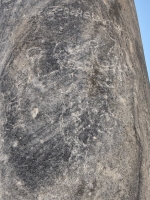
(74, 101)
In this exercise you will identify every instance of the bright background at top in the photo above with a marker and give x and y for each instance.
(143, 12)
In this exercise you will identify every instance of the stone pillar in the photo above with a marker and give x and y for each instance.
(74, 101)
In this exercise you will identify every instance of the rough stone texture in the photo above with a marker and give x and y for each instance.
(74, 101)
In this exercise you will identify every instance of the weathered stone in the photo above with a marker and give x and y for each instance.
(75, 101)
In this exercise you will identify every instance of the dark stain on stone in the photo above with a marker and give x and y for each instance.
(87, 134)
(115, 10)
(140, 161)
(6, 3)
(104, 50)
(80, 190)
(139, 53)
(96, 80)
(38, 162)
(96, 28)
(94, 186)
(83, 136)
(6, 84)
(46, 65)
(104, 10)
(84, 119)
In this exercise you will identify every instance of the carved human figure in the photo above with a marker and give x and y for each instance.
(59, 92)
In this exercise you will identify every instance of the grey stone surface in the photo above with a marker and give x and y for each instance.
(74, 101)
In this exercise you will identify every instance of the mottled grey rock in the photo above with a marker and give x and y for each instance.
(75, 101)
